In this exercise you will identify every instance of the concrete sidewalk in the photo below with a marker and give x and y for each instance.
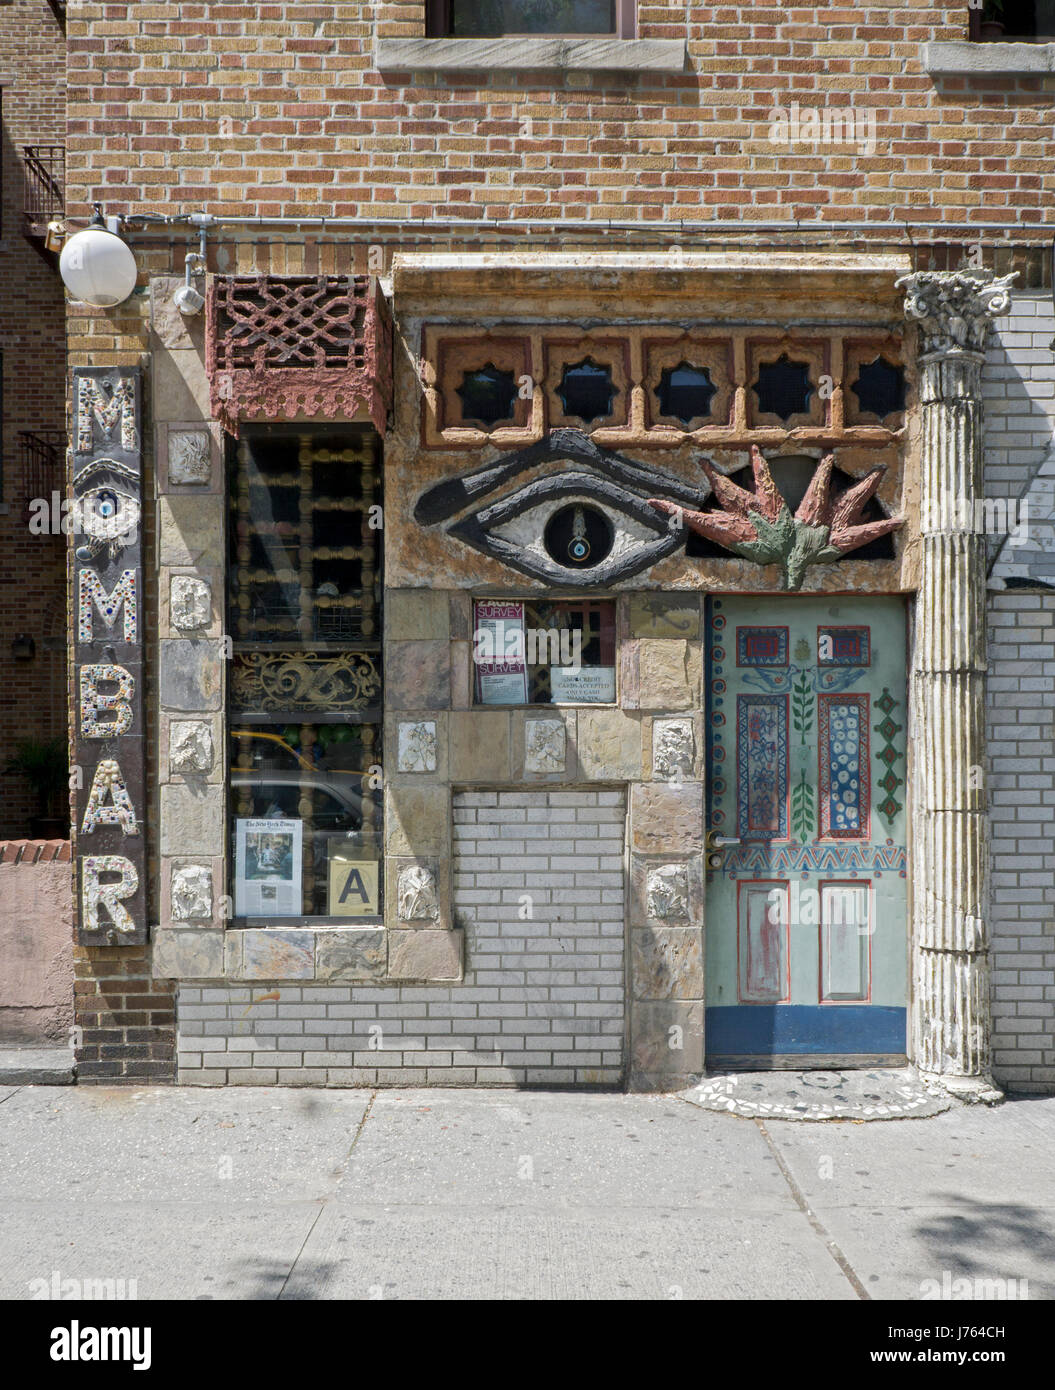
(324, 1194)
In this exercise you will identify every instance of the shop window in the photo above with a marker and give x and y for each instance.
(685, 392)
(880, 388)
(559, 652)
(586, 390)
(783, 388)
(304, 683)
(487, 396)
(465, 19)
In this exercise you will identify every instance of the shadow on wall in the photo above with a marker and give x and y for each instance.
(1018, 508)
(36, 942)
(32, 379)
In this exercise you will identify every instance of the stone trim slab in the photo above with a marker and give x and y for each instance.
(566, 55)
(995, 58)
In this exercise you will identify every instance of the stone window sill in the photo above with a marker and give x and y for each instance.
(999, 59)
(566, 55)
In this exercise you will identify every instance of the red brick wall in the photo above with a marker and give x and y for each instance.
(32, 568)
(128, 1019)
(276, 109)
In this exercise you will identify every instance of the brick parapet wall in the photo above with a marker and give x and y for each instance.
(280, 111)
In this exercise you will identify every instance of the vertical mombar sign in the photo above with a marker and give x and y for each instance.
(107, 579)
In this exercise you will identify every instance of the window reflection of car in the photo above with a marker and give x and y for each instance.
(336, 805)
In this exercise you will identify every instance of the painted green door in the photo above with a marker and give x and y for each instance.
(806, 903)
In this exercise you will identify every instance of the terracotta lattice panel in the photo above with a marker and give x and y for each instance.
(298, 347)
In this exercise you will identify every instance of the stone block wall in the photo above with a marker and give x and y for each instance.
(1020, 469)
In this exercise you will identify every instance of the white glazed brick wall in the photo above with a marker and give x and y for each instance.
(1019, 389)
(543, 997)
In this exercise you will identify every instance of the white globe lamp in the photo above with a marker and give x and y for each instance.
(97, 267)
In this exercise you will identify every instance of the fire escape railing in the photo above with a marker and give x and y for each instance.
(42, 464)
(44, 168)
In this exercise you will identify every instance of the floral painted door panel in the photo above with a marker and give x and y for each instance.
(806, 862)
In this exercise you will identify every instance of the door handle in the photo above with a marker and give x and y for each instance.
(719, 842)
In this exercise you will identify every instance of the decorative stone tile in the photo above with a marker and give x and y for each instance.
(479, 746)
(278, 955)
(417, 819)
(191, 893)
(673, 749)
(190, 676)
(667, 892)
(417, 615)
(191, 530)
(187, 954)
(545, 745)
(609, 745)
(190, 602)
(352, 953)
(417, 747)
(425, 955)
(663, 615)
(189, 457)
(667, 963)
(191, 819)
(417, 897)
(418, 675)
(190, 746)
(666, 819)
(180, 388)
(174, 330)
(670, 674)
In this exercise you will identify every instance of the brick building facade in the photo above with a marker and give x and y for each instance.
(32, 341)
(507, 294)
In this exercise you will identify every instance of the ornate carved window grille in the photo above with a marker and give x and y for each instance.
(279, 347)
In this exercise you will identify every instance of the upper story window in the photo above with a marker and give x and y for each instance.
(1013, 20)
(474, 19)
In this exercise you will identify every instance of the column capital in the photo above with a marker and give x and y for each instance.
(955, 308)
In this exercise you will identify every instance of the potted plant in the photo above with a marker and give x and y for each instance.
(992, 20)
(44, 763)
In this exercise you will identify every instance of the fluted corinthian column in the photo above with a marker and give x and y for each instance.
(951, 1011)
